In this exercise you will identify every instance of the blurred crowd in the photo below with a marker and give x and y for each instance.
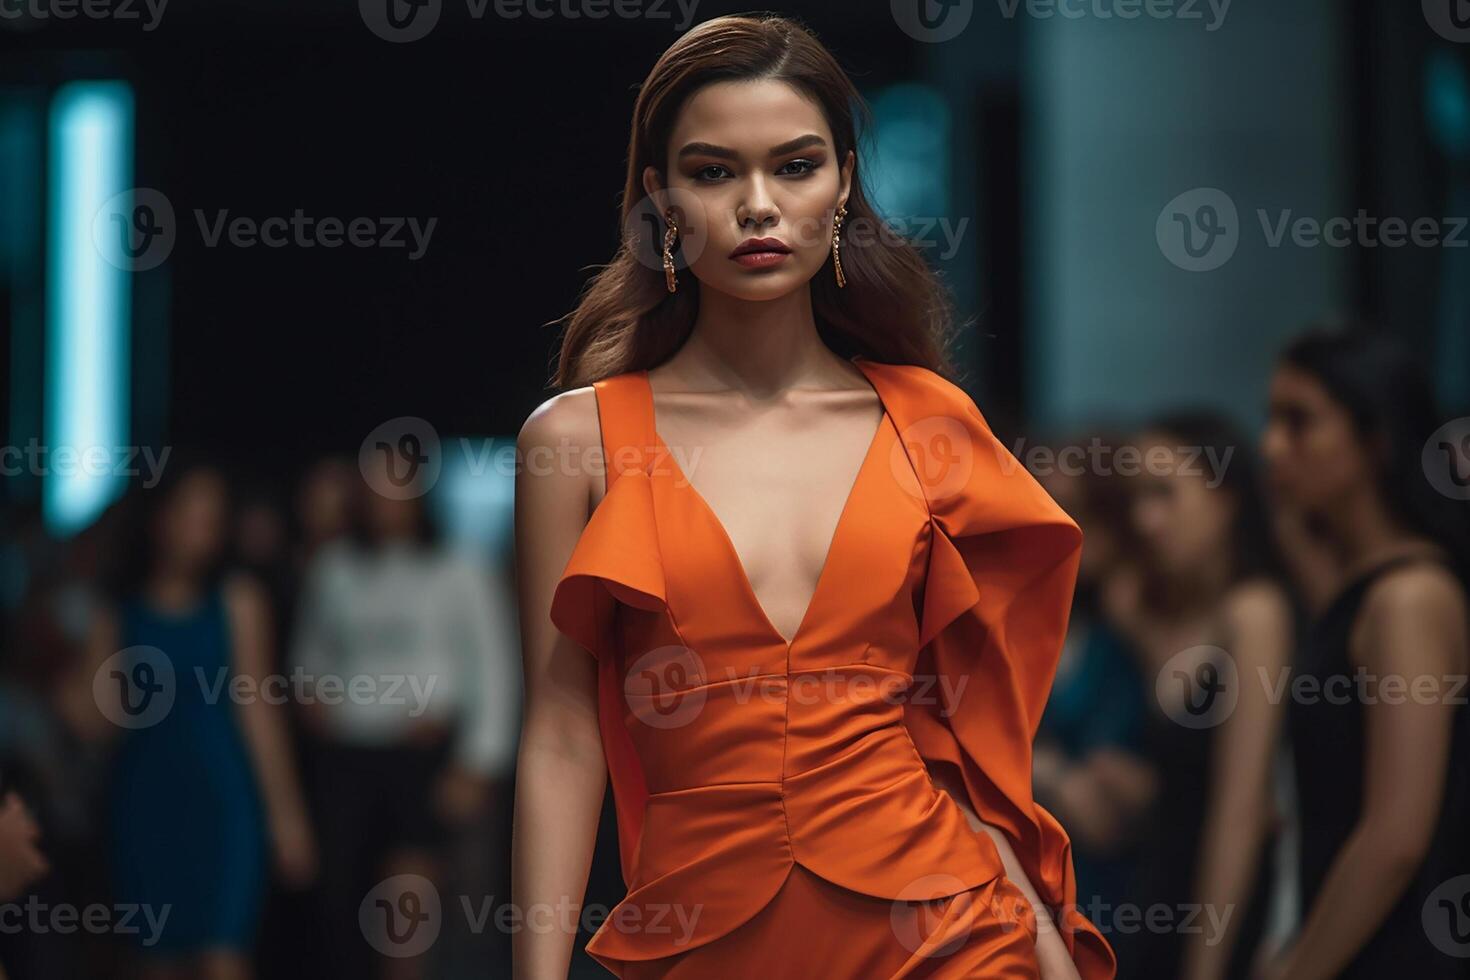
(1228, 813)
(228, 714)
(1257, 739)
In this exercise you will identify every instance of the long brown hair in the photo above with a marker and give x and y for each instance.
(894, 307)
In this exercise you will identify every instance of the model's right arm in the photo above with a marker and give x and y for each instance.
(561, 773)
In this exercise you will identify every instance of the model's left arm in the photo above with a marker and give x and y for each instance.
(1051, 953)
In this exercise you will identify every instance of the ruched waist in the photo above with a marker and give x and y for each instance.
(870, 819)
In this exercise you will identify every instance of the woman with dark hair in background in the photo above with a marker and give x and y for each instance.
(1379, 728)
(1209, 617)
(1093, 723)
(412, 696)
(202, 780)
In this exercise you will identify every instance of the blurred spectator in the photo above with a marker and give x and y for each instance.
(1094, 717)
(21, 860)
(49, 729)
(327, 504)
(1206, 613)
(412, 673)
(201, 786)
(1381, 777)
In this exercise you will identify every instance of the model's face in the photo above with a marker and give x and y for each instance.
(1182, 521)
(1310, 446)
(757, 159)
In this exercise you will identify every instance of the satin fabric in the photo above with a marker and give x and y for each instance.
(752, 774)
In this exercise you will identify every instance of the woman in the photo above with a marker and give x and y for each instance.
(1206, 613)
(203, 783)
(397, 613)
(1093, 723)
(1377, 721)
(815, 672)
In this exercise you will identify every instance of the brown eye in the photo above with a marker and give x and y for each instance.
(804, 167)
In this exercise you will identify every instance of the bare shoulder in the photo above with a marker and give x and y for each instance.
(245, 597)
(564, 421)
(1257, 601)
(1422, 591)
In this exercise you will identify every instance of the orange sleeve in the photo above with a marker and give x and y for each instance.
(1002, 568)
(615, 560)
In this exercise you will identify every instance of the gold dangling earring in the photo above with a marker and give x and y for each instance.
(670, 234)
(837, 246)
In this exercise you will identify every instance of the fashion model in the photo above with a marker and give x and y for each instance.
(823, 604)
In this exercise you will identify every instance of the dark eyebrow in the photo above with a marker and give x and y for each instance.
(725, 153)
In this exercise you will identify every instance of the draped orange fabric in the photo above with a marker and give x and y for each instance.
(933, 635)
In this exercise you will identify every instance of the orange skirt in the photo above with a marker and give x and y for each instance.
(814, 928)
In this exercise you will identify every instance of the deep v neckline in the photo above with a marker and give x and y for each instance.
(833, 543)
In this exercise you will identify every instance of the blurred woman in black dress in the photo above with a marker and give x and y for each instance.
(1376, 713)
(1207, 613)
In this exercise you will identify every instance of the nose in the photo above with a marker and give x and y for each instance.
(758, 208)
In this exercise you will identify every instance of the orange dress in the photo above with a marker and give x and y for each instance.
(775, 812)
